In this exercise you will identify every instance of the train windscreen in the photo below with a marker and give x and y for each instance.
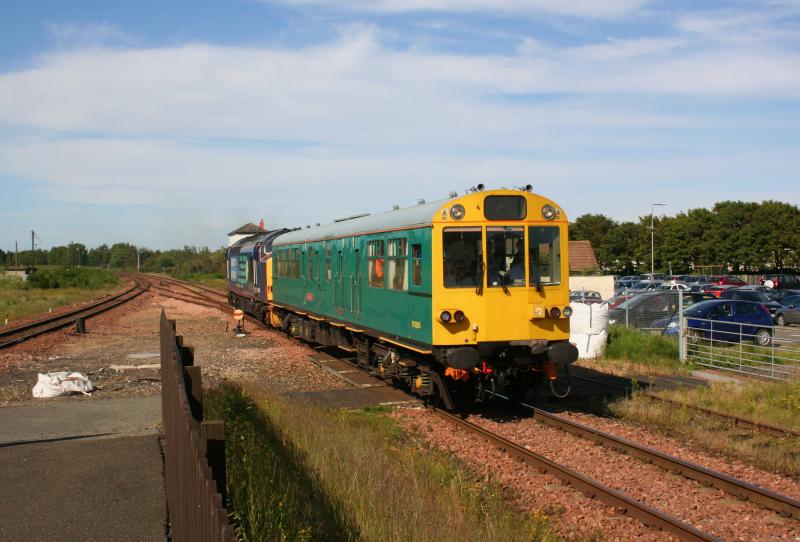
(463, 257)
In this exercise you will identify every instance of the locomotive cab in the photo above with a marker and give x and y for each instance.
(500, 287)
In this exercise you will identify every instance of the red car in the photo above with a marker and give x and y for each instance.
(723, 280)
(716, 289)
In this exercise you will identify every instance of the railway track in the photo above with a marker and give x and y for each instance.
(733, 420)
(18, 334)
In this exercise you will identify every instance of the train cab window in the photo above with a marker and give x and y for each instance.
(505, 207)
(505, 256)
(375, 257)
(463, 257)
(416, 264)
(544, 255)
(398, 260)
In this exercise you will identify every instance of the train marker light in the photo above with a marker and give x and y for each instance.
(445, 317)
(567, 312)
(555, 313)
(458, 316)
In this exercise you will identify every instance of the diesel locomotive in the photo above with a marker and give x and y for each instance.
(456, 298)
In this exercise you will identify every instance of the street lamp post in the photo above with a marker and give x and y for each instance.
(652, 236)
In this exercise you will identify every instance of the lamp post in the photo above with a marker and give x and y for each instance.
(652, 236)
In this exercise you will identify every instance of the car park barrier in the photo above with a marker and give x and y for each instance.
(194, 449)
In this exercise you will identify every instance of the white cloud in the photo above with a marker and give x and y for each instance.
(88, 35)
(580, 8)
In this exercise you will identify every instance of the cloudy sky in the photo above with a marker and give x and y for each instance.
(171, 123)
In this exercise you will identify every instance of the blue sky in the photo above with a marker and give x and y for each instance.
(171, 123)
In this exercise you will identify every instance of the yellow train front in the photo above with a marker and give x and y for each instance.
(501, 291)
(454, 298)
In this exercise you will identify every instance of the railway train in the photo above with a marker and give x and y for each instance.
(454, 299)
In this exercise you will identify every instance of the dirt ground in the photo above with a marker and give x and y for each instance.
(120, 354)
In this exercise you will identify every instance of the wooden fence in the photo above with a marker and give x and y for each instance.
(194, 449)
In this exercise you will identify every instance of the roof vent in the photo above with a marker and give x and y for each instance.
(421, 201)
(395, 207)
(453, 194)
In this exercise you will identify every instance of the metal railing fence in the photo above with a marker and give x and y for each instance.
(194, 450)
(765, 351)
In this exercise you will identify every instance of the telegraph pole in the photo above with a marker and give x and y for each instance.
(33, 250)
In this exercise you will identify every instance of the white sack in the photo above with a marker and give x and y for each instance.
(61, 383)
(588, 327)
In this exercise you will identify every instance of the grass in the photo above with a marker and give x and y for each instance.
(212, 280)
(18, 299)
(297, 471)
(765, 402)
(631, 351)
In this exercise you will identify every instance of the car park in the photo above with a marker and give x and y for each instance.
(725, 280)
(644, 286)
(715, 289)
(781, 295)
(644, 310)
(789, 313)
(622, 284)
(674, 286)
(589, 297)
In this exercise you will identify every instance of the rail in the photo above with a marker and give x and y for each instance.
(194, 449)
(632, 507)
(18, 334)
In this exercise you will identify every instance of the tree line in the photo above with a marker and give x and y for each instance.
(123, 257)
(735, 236)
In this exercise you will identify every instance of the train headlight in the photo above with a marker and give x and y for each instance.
(458, 316)
(445, 317)
(457, 211)
(567, 312)
(549, 212)
(555, 313)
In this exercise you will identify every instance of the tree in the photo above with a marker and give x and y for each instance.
(123, 256)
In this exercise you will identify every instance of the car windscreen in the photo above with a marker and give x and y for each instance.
(749, 295)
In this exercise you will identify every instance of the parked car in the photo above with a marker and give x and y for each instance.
(589, 297)
(749, 295)
(730, 320)
(651, 276)
(789, 313)
(723, 280)
(724, 320)
(674, 286)
(645, 309)
(781, 281)
(695, 279)
(644, 286)
(622, 285)
(715, 289)
(781, 295)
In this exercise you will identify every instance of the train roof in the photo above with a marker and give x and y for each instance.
(264, 239)
(408, 217)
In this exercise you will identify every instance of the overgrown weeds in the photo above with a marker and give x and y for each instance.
(85, 278)
(630, 350)
(298, 471)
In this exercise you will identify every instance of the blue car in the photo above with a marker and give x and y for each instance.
(723, 320)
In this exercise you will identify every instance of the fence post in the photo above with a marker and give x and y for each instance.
(681, 331)
(213, 434)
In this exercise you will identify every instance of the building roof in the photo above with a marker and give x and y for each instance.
(247, 229)
(581, 256)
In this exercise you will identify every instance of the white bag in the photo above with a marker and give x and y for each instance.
(61, 383)
(588, 328)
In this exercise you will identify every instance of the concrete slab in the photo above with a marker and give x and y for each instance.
(89, 489)
(71, 417)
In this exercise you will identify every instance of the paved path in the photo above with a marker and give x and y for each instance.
(82, 470)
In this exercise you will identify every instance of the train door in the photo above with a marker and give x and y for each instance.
(355, 282)
(340, 279)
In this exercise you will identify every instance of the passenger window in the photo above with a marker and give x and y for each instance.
(398, 260)
(310, 274)
(376, 260)
(416, 263)
(745, 308)
(328, 264)
(723, 310)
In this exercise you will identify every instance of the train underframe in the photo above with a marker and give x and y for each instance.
(452, 375)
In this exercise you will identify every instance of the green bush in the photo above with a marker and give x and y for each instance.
(66, 277)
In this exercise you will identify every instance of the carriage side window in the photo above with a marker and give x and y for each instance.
(463, 257)
(310, 274)
(505, 256)
(295, 263)
(545, 255)
(398, 260)
(328, 264)
(416, 264)
(375, 257)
